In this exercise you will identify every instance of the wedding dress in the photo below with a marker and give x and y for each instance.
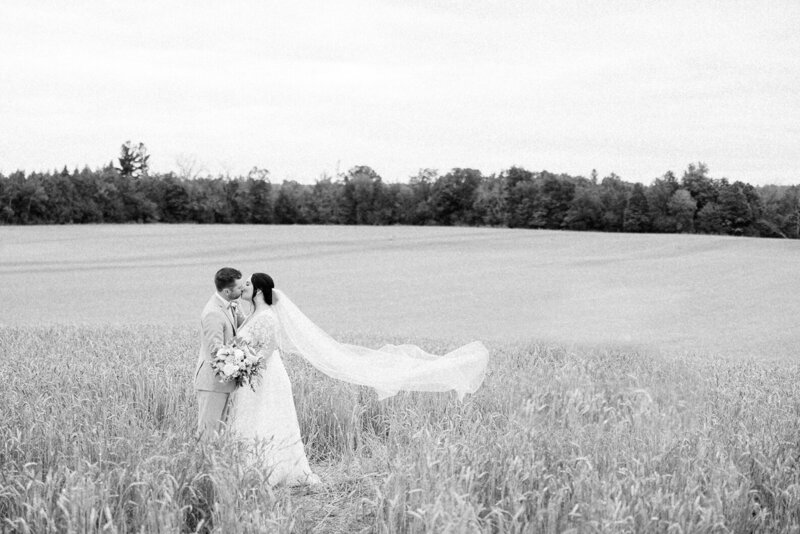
(268, 414)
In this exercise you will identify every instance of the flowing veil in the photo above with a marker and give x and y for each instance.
(390, 369)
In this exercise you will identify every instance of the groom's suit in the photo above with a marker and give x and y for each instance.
(218, 324)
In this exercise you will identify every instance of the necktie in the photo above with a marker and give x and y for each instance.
(232, 311)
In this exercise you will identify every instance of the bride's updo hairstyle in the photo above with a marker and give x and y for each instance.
(263, 282)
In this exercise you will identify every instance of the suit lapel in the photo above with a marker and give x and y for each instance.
(228, 315)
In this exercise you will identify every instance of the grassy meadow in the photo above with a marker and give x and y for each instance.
(719, 295)
(622, 427)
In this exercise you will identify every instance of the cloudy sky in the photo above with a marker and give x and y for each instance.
(302, 88)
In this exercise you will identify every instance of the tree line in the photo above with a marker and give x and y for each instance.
(516, 198)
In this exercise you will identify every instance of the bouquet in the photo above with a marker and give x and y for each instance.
(237, 362)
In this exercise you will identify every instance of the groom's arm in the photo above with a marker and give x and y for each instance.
(214, 332)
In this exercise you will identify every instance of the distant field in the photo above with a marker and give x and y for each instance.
(668, 293)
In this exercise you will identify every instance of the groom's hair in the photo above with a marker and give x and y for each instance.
(226, 277)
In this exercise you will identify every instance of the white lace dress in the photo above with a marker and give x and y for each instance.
(268, 414)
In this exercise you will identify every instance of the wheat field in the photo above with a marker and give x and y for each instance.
(97, 437)
(98, 412)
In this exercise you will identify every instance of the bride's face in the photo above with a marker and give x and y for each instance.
(247, 291)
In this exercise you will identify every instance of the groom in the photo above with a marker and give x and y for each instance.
(219, 321)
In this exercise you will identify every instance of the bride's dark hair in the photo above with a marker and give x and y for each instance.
(263, 282)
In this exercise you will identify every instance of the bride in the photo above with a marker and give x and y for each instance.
(268, 413)
(276, 326)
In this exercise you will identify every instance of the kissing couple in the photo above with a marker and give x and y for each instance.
(265, 412)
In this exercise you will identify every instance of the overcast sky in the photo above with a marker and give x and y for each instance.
(301, 88)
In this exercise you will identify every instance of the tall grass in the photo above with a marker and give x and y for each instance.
(97, 424)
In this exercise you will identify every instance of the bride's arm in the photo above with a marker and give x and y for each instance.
(261, 334)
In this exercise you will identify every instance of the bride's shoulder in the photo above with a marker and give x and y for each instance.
(270, 316)
(258, 327)
(263, 318)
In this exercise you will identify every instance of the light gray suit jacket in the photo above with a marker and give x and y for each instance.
(216, 329)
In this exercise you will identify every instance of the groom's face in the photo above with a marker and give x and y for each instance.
(235, 291)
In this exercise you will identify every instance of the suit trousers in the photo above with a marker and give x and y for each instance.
(212, 412)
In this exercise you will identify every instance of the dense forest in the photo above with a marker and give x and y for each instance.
(516, 198)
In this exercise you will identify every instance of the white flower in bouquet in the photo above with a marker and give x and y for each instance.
(228, 369)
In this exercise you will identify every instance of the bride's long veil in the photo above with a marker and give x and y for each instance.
(390, 369)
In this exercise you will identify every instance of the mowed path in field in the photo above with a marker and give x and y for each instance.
(664, 293)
